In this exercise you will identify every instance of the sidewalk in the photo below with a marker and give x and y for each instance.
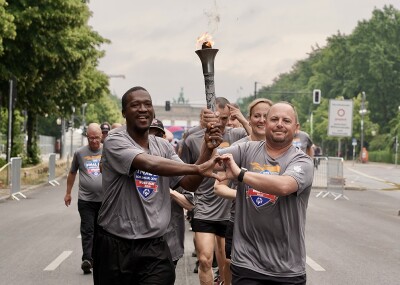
(355, 175)
(371, 176)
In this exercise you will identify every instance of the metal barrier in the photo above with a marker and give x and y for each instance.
(16, 163)
(320, 172)
(334, 179)
(52, 170)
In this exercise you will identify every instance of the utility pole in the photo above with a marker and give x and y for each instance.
(255, 89)
(62, 138)
(84, 105)
(72, 130)
(362, 112)
(10, 111)
(396, 149)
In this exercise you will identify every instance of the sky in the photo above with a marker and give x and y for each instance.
(153, 43)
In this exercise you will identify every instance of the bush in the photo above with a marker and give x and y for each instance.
(381, 156)
(2, 162)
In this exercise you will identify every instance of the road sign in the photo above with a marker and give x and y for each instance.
(354, 142)
(340, 118)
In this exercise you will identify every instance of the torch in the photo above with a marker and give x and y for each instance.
(207, 55)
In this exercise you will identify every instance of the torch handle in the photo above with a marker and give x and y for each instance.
(210, 91)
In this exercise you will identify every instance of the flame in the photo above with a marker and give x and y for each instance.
(205, 41)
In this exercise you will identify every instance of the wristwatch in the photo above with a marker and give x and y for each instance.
(241, 174)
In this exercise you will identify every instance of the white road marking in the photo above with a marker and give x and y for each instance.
(56, 262)
(314, 265)
(369, 176)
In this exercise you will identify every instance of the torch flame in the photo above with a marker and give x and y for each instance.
(205, 41)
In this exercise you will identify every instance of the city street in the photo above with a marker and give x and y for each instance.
(353, 241)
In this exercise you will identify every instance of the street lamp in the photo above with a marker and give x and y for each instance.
(362, 112)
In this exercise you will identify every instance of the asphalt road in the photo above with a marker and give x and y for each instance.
(353, 241)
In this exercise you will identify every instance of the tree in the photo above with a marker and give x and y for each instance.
(375, 62)
(367, 60)
(7, 27)
(54, 57)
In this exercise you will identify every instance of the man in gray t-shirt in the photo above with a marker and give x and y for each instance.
(86, 160)
(274, 184)
(138, 171)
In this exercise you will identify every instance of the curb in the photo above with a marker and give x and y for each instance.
(352, 188)
(32, 187)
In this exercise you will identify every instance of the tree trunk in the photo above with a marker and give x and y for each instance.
(31, 145)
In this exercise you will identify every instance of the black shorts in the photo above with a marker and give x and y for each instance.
(123, 261)
(228, 239)
(244, 276)
(215, 227)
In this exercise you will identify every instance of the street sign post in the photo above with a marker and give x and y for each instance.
(354, 143)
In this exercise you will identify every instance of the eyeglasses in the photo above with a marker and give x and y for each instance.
(92, 139)
(104, 132)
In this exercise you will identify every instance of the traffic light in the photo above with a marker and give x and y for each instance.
(70, 124)
(316, 96)
(167, 106)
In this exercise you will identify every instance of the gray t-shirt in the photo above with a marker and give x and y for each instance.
(87, 162)
(233, 183)
(136, 203)
(209, 206)
(269, 230)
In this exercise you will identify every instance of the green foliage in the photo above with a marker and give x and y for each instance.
(48, 126)
(106, 109)
(17, 147)
(368, 60)
(32, 157)
(2, 162)
(381, 156)
(7, 27)
(380, 143)
(54, 57)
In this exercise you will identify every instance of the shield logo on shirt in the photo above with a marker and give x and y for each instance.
(146, 183)
(93, 166)
(258, 198)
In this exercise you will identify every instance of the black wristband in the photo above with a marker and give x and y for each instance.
(241, 174)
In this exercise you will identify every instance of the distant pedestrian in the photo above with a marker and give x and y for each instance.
(105, 128)
(116, 125)
(86, 160)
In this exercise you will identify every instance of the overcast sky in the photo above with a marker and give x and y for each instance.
(153, 43)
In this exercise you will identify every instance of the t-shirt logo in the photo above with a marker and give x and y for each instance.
(258, 198)
(92, 165)
(146, 183)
